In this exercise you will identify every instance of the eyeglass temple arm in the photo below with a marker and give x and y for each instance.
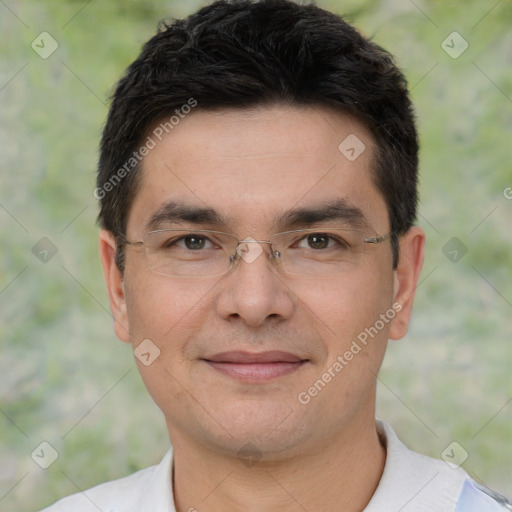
(129, 242)
(378, 239)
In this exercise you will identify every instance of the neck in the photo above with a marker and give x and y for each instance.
(342, 473)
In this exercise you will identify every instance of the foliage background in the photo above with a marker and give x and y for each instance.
(66, 380)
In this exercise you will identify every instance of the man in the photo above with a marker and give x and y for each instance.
(257, 182)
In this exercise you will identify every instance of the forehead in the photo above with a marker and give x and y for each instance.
(252, 166)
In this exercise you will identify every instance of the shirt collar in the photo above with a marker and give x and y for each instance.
(410, 481)
(413, 482)
(157, 493)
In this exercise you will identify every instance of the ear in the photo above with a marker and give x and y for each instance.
(412, 251)
(115, 284)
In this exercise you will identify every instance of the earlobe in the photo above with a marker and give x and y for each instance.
(412, 247)
(115, 284)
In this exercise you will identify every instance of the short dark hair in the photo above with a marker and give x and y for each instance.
(243, 53)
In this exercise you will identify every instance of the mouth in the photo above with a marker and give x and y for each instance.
(255, 367)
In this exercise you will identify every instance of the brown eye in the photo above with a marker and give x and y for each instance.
(323, 241)
(318, 241)
(194, 242)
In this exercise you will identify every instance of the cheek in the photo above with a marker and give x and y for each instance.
(165, 311)
(344, 307)
(159, 306)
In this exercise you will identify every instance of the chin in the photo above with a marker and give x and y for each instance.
(274, 430)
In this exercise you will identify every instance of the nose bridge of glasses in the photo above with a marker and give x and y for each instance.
(250, 240)
(249, 249)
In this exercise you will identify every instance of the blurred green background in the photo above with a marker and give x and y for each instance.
(65, 378)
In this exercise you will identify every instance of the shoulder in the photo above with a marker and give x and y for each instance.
(413, 482)
(122, 495)
(474, 497)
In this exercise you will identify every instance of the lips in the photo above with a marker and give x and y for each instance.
(274, 356)
(255, 366)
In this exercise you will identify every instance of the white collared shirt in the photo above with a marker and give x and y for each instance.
(411, 482)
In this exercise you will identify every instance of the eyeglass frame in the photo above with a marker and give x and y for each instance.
(236, 256)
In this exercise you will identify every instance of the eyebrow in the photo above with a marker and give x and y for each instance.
(335, 210)
(173, 212)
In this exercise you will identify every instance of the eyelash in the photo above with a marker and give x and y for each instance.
(331, 238)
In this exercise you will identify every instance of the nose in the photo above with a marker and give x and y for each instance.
(253, 291)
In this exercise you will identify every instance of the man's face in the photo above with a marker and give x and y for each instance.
(252, 168)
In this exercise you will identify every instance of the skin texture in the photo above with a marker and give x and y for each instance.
(252, 166)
